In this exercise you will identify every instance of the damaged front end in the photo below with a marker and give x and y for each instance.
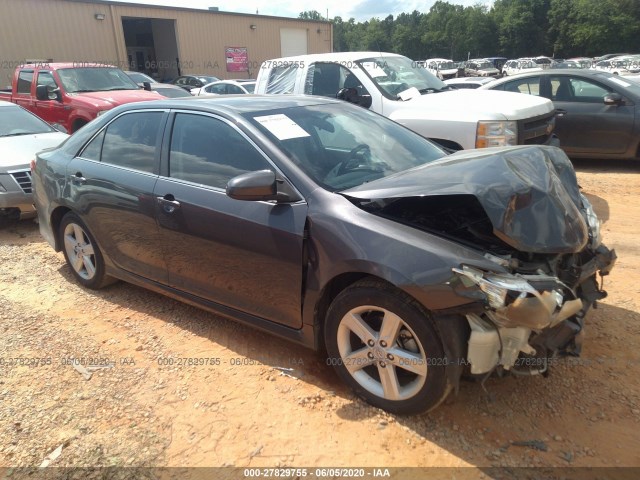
(527, 319)
(523, 209)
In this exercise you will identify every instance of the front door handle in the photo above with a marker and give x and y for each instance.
(78, 179)
(560, 112)
(168, 203)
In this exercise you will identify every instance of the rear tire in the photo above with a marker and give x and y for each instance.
(82, 253)
(386, 348)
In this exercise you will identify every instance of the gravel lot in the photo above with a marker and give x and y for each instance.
(181, 387)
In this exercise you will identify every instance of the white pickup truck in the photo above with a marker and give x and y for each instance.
(398, 88)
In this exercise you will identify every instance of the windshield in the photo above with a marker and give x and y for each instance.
(140, 77)
(447, 66)
(484, 65)
(341, 146)
(394, 75)
(95, 79)
(15, 121)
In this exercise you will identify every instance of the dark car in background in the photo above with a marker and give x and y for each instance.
(329, 225)
(167, 90)
(189, 82)
(598, 113)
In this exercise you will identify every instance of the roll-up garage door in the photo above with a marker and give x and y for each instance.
(293, 41)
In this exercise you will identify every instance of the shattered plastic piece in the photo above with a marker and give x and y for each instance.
(52, 457)
(87, 372)
(83, 371)
(256, 451)
(287, 372)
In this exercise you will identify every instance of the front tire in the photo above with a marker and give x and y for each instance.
(386, 348)
(82, 253)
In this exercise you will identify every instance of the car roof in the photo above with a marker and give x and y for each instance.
(336, 57)
(454, 81)
(6, 104)
(580, 72)
(233, 82)
(60, 65)
(234, 104)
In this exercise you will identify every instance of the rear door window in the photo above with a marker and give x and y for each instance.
(282, 79)
(131, 141)
(25, 78)
(530, 86)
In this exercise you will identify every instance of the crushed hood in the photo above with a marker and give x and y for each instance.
(529, 193)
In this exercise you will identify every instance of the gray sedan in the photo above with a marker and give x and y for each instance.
(598, 114)
(329, 225)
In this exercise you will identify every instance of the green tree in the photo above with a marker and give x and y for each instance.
(479, 33)
(443, 30)
(407, 35)
(311, 15)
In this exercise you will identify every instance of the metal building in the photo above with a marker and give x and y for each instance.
(161, 41)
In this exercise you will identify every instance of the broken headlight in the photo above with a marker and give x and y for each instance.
(516, 303)
(495, 285)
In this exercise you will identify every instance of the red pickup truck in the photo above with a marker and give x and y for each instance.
(72, 94)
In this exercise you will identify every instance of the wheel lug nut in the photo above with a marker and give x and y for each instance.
(390, 357)
(382, 364)
(371, 343)
(370, 355)
(383, 343)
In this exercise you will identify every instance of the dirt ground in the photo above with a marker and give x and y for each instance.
(182, 387)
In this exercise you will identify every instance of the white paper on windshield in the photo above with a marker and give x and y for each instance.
(374, 69)
(408, 94)
(620, 82)
(282, 126)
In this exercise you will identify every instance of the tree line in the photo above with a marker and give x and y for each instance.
(509, 28)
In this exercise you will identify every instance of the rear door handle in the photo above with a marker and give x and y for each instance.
(560, 112)
(78, 179)
(168, 203)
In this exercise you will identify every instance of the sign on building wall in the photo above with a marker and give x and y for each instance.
(237, 59)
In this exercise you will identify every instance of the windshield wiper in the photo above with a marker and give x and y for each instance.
(434, 90)
(119, 88)
(19, 134)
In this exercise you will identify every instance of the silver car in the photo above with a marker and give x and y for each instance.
(22, 135)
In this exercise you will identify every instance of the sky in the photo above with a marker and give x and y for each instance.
(359, 9)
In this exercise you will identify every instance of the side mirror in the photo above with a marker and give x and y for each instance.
(47, 92)
(613, 99)
(59, 127)
(253, 186)
(146, 86)
(351, 95)
(42, 92)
